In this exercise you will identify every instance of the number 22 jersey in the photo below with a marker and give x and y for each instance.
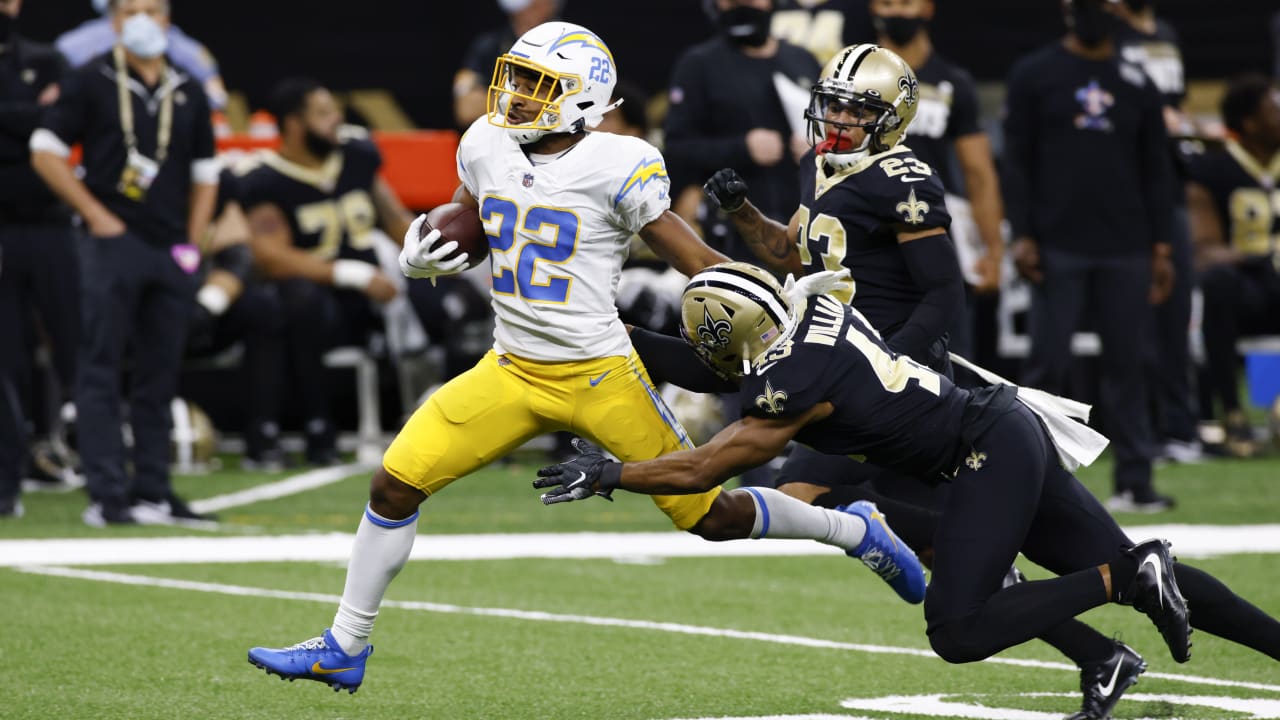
(558, 232)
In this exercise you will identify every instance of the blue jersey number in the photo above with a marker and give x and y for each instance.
(521, 281)
(600, 70)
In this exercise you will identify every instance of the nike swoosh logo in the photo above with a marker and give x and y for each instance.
(1154, 561)
(581, 476)
(913, 179)
(880, 519)
(315, 668)
(1110, 687)
(596, 380)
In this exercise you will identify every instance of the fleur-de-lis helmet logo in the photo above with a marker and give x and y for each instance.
(712, 332)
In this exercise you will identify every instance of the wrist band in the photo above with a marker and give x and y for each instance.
(353, 274)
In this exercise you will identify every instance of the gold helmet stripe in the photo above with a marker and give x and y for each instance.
(849, 64)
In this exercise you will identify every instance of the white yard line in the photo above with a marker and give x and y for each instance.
(537, 616)
(1189, 541)
(292, 485)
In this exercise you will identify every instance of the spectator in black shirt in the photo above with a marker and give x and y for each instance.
(1152, 44)
(944, 134)
(471, 82)
(37, 260)
(150, 181)
(1090, 203)
(725, 112)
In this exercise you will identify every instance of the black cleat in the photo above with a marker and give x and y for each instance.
(1154, 591)
(1103, 683)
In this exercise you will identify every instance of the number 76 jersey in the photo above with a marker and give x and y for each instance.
(559, 228)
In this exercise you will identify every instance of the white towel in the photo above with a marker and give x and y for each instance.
(1077, 443)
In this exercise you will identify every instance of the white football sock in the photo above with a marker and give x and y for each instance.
(381, 548)
(779, 515)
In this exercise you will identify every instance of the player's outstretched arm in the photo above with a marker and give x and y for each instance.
(771, 241)
(747, 443)
(676, 243)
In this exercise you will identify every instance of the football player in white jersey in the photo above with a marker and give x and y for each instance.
(560, 205)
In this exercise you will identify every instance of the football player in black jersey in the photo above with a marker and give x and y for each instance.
(1234, 201)
(312, 206)
(871, 205)
(814, 370)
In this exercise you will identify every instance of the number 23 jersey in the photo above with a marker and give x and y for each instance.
(559, 230)
(852, 218)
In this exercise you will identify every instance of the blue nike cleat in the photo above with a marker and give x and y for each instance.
(886, 554)
(320, 659)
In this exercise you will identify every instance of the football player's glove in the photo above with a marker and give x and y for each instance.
(727, 189)
(819, 283)
(590, 473)
(419, 260)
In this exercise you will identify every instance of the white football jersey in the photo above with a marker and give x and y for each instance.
(558, 234)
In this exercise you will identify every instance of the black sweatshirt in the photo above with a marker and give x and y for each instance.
(1086, 153)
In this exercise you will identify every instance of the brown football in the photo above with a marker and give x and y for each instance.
(460, 223)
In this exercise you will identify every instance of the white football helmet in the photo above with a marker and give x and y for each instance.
(571, 74)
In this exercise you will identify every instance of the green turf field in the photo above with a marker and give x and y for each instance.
(692, 637)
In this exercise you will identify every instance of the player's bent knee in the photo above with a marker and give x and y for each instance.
(731, 517)
(391, 498)
(954, 642)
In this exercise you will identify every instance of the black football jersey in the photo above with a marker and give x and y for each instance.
(822, 27)
(889, 410)
(947, 109)
(1247, 196)
(1159, 56)
(851, 219)
(330, 209)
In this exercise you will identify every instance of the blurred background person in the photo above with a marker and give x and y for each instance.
(1235, 221)
(146, 199)
(1090, 202)
(727, 110)
(37, 257)
(312, 207)
(93, 37)
(947, 134)
(1152, 44)
(822, 26)
(471, 81)
(233, 305)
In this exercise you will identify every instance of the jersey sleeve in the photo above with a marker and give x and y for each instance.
(907, 192)
(364, 153)
(69, 114)
(643, 189)
(468, 155)
(791, 387)
(964, 107)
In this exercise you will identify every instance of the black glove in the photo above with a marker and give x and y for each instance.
(727, 189)
(590, 473)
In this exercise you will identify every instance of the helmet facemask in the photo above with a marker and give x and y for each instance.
(541, 89)
(832, 137)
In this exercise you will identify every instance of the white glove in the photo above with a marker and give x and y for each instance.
(419, 260)
(820, 283)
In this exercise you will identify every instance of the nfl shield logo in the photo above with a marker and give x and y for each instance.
(528, 180)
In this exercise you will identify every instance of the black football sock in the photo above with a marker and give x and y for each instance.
(1217, 610)
(1123, 570)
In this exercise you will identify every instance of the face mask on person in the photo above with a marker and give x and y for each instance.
(1090, 23)
(317, 144)
(100, 6)
(1138, 5)
(899, 30)
(143, 36)
(746, 26)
